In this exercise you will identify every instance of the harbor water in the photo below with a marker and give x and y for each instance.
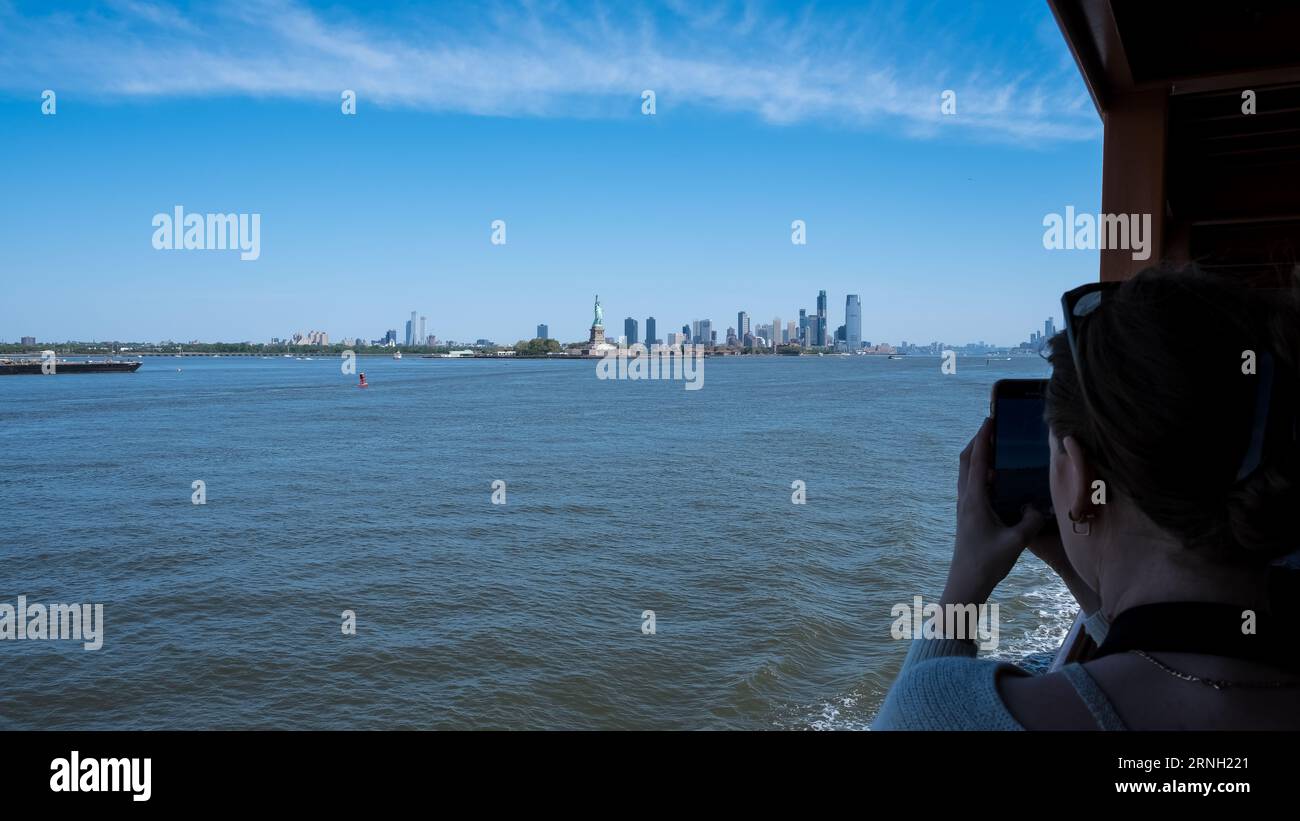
(620, 497)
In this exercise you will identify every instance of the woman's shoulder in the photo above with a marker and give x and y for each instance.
(951, 693)
(1068, 699)
(1145, 696)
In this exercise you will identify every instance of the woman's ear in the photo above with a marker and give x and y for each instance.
(1077, 474)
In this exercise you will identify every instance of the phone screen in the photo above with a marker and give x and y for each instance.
(1020, 453)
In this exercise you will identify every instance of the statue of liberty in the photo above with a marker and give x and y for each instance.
(600, 315)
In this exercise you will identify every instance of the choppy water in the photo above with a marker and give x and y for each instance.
(621, 497)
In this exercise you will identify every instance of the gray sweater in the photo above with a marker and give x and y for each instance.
(943, 686)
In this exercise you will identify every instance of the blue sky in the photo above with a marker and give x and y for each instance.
(531, 113)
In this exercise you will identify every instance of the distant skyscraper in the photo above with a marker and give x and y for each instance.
(695, 331)
(686, 332)
(706, 332)
(820, 335)
(1049, 328)
(629, 330)
(422, 336)
(791, 332)
(410, 331)
(543, 332)
(776, 332)
(742, 324)
(650, 338)
(853, 322)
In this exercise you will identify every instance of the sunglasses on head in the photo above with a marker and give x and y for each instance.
(1076, 305)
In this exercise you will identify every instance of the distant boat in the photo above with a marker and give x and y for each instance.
(997, 359)
(14, 367)
(397, 355)
(895, 356)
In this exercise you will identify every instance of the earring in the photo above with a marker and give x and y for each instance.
(1081, 525)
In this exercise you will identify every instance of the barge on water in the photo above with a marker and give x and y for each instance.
(48, 365)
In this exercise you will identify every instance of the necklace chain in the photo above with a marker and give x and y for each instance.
(1218, 684)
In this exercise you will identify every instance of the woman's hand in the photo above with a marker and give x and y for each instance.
(985, 550)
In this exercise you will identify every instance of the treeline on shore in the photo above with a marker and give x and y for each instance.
(102, 348)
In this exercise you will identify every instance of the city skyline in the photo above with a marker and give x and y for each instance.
(419, 330)
(851, 330)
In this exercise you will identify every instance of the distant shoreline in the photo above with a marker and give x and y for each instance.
(325, 355)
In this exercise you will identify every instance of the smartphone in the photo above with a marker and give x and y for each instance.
(1020, 451)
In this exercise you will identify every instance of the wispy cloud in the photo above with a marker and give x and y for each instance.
(866, 68)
